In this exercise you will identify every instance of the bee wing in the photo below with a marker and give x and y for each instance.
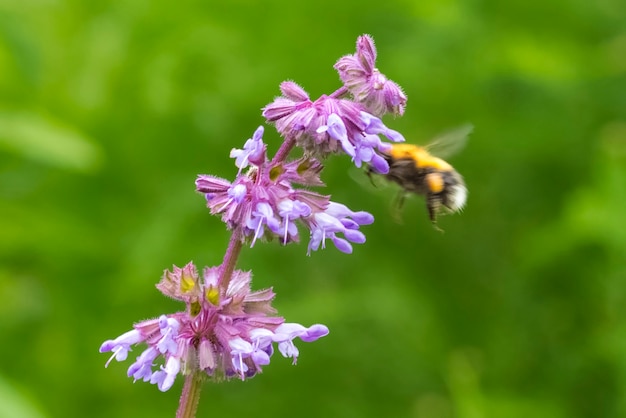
(450, 142)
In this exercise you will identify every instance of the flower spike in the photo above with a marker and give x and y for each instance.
(232, 338)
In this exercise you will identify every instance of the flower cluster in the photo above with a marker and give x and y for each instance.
(226, 331)
(331, 124)
(263, 201)
(368, 85)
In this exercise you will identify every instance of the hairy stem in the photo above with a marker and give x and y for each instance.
(230, 258)
(283, 151)
(339, 92)
(190, 397)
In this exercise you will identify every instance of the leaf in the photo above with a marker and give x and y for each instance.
(40, 138)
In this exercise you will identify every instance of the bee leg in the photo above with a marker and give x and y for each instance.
(433, 207)
(397, 206)
(400, 199)
(369, 172)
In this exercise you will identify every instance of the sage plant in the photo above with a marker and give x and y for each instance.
(227, 330)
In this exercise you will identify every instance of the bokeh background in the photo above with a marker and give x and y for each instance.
(109, 109)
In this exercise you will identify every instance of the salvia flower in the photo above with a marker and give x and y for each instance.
(327, 125)
(226, 331)
(337, 218)
(368, 85)
(253, 151)
(263, 202)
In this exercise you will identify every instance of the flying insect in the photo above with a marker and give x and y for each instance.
(421, 170)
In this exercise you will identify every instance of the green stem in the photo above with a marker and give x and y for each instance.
(190, 397)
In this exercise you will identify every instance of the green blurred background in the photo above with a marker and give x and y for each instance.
(109, 109)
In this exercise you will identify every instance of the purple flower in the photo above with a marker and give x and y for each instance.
(253, 350)
(326, 126)
(253, 151)
(169, 331)
(141, 369)
(375, 126)
(292, 112)
(365, 153)
(226, 331)
(262, 216)
(286, 333)
(366, 143)
(165, 377)
(231, 200)
(289, 211)
(336, 129)
(121, 345)
(260, 206)
(368, 86)
(337, 218)
(271, 208)
(262, 203)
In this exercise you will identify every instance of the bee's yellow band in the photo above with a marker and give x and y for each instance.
(435, 182)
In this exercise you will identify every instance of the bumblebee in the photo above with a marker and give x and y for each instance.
(418, 171)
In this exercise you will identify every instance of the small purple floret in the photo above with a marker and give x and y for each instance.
(253, 151)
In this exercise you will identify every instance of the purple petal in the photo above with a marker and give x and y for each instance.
(165, 377)
(336, 129)
(211, 184)
(363, 218)
(379, 164)
(366, 51)
(240, 346)
(258, 134)
(127, 339)
(314, 332)
(287, 349)
(140, 372)
(354, 236)
(293, 91)
(375, 126)
(260, 358)
(238, 192)
(288, 331)
(139, 369)
(394, 135)
(341, 244)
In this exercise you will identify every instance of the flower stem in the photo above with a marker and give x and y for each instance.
(190, 397)
(339, 92)
(230, 258)
(284, 150)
